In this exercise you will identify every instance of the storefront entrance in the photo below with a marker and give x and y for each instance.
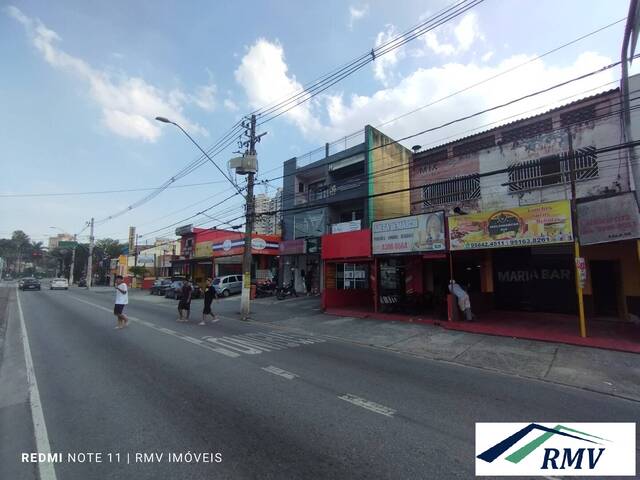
(535, 279)
(605, 281)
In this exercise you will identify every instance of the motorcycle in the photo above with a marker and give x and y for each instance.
(266, 289)
(286, 291)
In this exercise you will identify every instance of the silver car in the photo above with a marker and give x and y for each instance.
(228, 284)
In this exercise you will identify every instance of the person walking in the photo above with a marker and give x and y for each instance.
(209, 294)
(184, 305)
(122, 299)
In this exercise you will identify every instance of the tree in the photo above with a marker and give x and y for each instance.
(109, 247)
(138, 271)
(21, 244)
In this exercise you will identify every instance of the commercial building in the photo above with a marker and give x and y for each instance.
(507, 195)
(61, 237)
(268, 213)
(333, 190)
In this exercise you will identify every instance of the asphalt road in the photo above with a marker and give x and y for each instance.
(272, 404)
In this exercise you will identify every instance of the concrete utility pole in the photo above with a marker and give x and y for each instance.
(90, 260)
(630, 30)
(245, 301)
(73, 258)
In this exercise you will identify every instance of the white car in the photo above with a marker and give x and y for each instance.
(59, 283)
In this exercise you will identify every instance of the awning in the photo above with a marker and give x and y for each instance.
(346, 162)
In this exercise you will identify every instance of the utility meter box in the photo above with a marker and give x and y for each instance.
(244, 164)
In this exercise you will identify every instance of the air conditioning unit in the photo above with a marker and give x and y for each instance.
(244, 164)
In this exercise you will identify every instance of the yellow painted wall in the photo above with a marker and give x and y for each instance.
(626, 253)
(388, 171)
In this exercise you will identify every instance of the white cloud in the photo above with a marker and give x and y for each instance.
(264, 75)
(129, 104)
(356, 13)
(382, 66)
(487, 56)
(230, 105)
(457, 39)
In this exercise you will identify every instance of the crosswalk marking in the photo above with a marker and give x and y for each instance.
(257, 342)
(369, 405)
(279, 372)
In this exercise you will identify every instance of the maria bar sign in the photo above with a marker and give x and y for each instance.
(609, 219)
(417, 233)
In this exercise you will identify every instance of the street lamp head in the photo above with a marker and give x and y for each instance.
(163, 120)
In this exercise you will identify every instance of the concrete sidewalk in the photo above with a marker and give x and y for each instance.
(605, 371)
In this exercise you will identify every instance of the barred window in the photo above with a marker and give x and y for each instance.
(451, 191)
(474, 145)
(527, 131)
(553, 170)
(578, 115)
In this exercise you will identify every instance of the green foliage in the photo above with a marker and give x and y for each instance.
(138, 271)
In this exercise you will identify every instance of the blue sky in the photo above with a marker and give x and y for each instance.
(82, 82)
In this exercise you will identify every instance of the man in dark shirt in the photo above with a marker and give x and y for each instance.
(209, 295)
(184, 305)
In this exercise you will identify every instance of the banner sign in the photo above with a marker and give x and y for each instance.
(532, 225)
(609, 219)
(351, 226)
(132, 240)
(417, 233)
(184, 230)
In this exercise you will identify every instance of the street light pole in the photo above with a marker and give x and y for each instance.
(73, 258)
(90, 260)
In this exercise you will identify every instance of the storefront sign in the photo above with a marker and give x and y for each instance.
(203, 249)
(418, 233)
(146, 260)
(609, 219)
(314, 245)
(581, 267)
(516, 227)
(258, 243)
(132, 240)
(311, 223)
(352, 226)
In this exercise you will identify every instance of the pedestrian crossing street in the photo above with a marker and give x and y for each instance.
(260, 342)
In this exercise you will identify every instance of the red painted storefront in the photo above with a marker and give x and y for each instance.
(349, 276)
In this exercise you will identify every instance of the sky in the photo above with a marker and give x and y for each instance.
(83, 81)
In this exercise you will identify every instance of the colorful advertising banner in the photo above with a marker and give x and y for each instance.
(515, 227)
(417, 233)
(608, 220)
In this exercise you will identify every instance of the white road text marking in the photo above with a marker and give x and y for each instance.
(361, 402)
(279, 372)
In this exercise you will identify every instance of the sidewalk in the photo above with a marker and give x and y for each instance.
(606, 371)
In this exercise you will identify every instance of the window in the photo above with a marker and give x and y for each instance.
(451, 191)
(578, 115)
(553, 170)
(300, 187)
(350, 216)
(527, 131)
(352, 276)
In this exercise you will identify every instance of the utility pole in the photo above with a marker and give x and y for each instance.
(73, 258)
(576, 240)
(90, 260)
(135, 252)
(245, 300)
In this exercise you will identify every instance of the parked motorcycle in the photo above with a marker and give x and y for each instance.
(286, 291)
(266, 289)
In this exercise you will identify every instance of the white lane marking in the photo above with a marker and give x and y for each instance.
(279, 372)
(364, 403)
(256, 342)
(167, 331)
(46, 469)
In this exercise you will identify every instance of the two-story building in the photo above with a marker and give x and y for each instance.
(507, 195)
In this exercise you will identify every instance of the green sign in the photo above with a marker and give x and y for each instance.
(67, 244)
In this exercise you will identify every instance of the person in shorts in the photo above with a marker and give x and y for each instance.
(184, 305)
(209, 295)
(122, 299)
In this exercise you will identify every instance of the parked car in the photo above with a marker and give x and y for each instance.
(228, 284)
(30, 284)
(175, 290)
(20, 282)
(82, 282)
(160, 285)
(59, 284)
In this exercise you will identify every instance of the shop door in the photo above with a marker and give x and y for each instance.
(605, 287)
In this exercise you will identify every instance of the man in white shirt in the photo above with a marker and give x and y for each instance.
(122, 299)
